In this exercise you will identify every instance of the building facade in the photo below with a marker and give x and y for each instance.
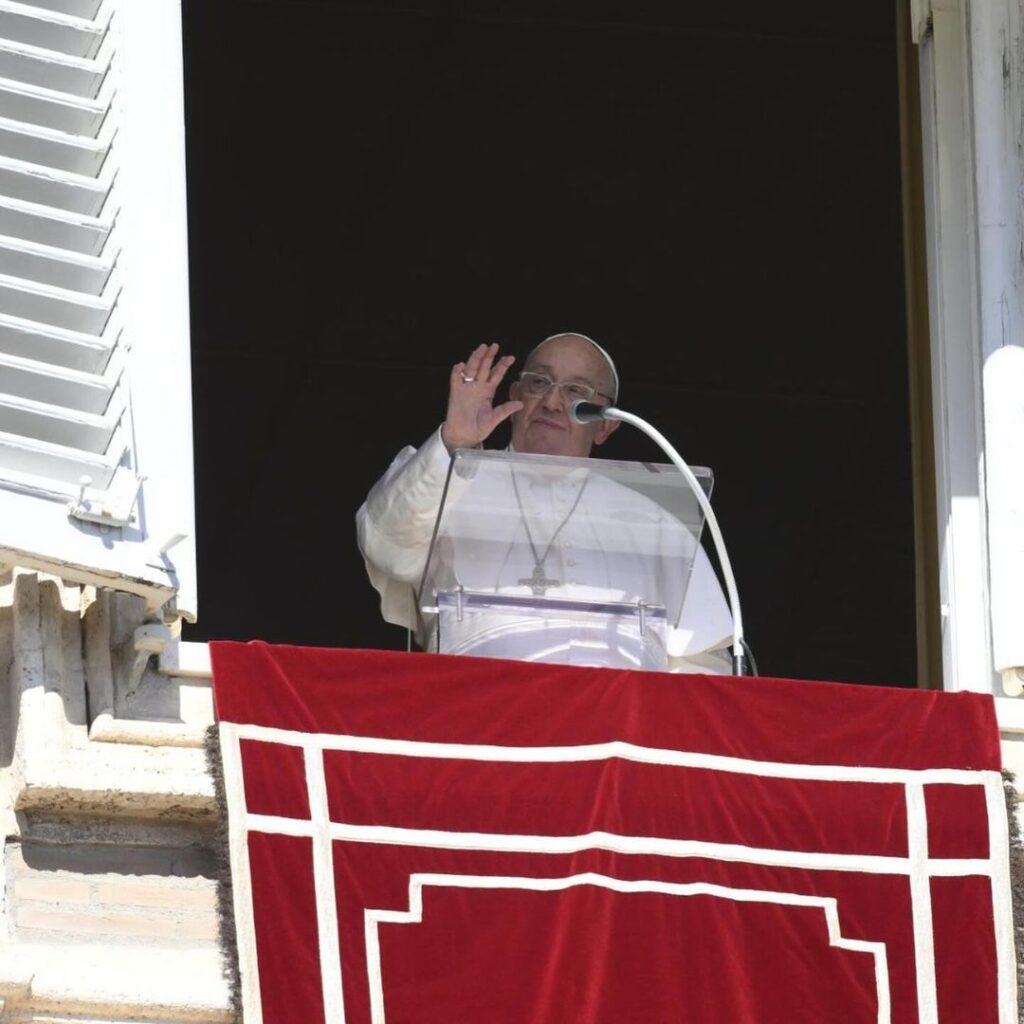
(109, 894)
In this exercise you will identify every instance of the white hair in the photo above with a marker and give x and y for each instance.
(604, 355)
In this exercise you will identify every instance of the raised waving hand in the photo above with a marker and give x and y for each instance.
(472, 415)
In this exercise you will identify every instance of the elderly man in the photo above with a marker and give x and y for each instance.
(396, 523)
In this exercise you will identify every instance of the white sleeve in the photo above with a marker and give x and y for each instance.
(708, 663)
(705, 624)
(395, 524)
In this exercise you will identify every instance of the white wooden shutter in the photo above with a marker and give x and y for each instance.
(95, 407)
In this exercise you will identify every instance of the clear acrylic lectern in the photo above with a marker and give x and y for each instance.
(554, 559)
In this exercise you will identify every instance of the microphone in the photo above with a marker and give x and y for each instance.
(589, 412)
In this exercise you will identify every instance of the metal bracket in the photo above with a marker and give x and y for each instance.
(151, 638)
(110, 508)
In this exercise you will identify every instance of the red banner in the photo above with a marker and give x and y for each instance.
(438, 840)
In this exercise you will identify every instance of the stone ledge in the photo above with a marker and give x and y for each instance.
(113, 983)
(168, 782)
(108, 729)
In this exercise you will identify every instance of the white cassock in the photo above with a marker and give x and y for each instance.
(612, 544)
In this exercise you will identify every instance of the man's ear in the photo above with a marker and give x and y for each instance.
(605, 430)
(513, 391)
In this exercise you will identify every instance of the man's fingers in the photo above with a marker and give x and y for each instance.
(479, 369)
(502, 412)
(500, 369)
(483, 369)
(470, 369)
(470, 418)
(474, 361)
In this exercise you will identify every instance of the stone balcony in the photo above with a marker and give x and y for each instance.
(109, 899)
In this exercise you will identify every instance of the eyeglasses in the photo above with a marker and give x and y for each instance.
(537, 385)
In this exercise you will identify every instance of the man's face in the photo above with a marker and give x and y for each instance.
(543, 425)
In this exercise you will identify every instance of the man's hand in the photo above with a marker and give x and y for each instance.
(472, 415)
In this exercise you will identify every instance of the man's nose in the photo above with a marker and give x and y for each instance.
(554, 399)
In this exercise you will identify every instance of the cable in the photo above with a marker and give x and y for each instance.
(750, 657)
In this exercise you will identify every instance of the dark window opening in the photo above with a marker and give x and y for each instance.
(714, 196)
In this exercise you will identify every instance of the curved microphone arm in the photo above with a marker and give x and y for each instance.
(588, 412)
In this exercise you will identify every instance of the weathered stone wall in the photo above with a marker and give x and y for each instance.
(108, 898)
(74, 883)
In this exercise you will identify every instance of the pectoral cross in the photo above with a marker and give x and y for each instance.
(537, 581)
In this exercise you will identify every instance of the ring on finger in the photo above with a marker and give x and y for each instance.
(467, 380)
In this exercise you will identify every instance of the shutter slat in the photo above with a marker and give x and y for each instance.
(46, 187)
(55, 424)
(34, 459)
(48, 226)
(52, 149)
(46, 343)
(58, 267)
(59, 111)
(57, 306)
(77, 8)
(51, 30)
(73, 75)
(41, 382)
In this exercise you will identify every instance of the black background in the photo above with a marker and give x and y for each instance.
(713, 195)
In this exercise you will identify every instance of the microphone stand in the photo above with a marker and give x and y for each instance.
(590, 412)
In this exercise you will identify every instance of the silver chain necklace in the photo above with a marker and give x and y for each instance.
(537, 581)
